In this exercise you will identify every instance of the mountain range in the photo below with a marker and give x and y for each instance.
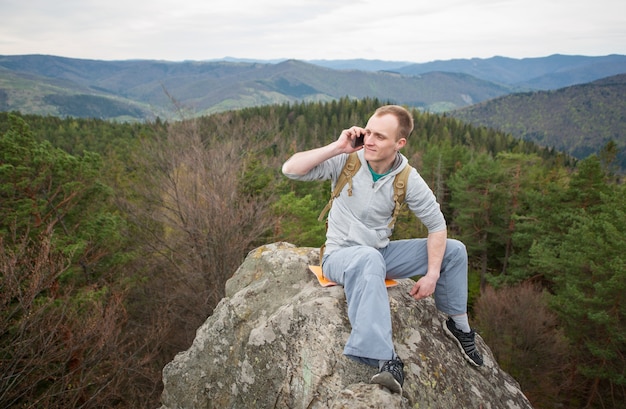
(140, 89)
(573, 103)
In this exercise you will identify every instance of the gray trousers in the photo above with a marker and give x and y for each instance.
(361, 271)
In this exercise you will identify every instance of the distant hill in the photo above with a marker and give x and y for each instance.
(362, 64)
(545, 73)
(580, 119)
(32, 94)
(138, 89)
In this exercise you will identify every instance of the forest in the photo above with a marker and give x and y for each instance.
(117, 239)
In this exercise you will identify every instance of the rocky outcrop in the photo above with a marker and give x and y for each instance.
(276, 341)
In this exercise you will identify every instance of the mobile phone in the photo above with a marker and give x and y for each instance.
(358, 141)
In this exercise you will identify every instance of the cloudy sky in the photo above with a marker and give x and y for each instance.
(398, 30)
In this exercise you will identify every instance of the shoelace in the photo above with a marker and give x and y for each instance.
(395, 368)
(467, 341)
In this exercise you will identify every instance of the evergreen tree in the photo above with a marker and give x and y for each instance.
(42, 187)
(61, 245)
(589, 270)
(521, 173)
(298, 222)
(586, 265)
(478, 202)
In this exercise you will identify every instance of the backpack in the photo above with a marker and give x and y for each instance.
(352, 166)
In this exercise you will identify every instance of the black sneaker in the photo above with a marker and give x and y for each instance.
(465, 341)
(391, 376)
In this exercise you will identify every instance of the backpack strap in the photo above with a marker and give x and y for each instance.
(399, 193)
(352, 166)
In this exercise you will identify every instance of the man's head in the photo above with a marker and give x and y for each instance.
(385, 135)
(404, 118)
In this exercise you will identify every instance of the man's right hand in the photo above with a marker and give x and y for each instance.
(302, 162)
(350, 135)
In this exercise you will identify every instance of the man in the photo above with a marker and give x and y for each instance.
(359, 255)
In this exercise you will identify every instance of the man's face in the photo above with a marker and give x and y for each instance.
(380, 139)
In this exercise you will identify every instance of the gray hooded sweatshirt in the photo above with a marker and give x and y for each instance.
(363, 218)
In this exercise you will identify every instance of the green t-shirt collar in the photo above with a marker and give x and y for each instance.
(377, 176)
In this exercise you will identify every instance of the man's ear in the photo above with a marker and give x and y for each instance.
(400, 143)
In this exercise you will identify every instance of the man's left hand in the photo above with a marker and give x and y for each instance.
(424, 287)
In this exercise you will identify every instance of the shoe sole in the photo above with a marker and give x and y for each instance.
(451, 335)
(388, 381)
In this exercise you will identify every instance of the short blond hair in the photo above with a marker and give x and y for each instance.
(404, 117)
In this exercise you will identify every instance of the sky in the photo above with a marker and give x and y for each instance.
(391, 30)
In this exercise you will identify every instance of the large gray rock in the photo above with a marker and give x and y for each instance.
(276, 341)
